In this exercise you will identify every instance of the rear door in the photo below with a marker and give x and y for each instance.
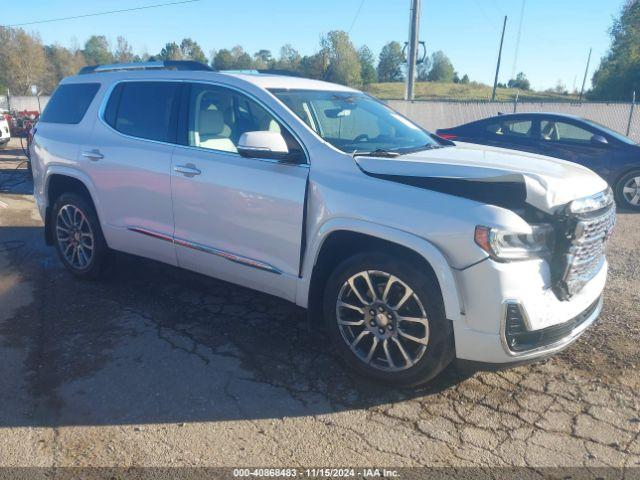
(63, 125)
(236, 218)
(129, 160)
(571, 141)
(518, 133)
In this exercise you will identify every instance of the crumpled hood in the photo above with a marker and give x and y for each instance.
(548, 182)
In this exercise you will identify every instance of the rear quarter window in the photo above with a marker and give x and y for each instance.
(145, 110)
(69, 103)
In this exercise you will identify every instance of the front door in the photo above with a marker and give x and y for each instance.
(236, 218)
(568, 141)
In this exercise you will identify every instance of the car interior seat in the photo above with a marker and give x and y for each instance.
(550, 132)
(213, 132)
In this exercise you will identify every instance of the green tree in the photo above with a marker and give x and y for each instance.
(423, 69)
(190, 50)
(315, 66)
(441, 68)
(390, 63)
(96, 50)
(171, 51)
(262, 59)
(223, 60)
(244, 62)
(619, 71)
(520, 82)
(344, 63)
(465, 79)
(241, 59)
(367, 65)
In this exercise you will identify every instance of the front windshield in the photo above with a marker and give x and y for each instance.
(354, 122)
(613, 133)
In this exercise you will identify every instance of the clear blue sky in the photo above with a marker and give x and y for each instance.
(555, 40)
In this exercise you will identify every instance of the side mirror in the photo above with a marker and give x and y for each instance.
(599, 140)
(263, 144)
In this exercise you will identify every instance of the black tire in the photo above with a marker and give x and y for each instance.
(620, 198)
(96, 267)
(440, 349)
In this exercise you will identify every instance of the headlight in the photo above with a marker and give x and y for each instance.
(504, 245)
(593, 203)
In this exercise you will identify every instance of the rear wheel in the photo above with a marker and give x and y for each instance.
(386, 319)
(78, 237)
(628, 190)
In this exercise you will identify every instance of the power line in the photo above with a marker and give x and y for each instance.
(515, 56)
(109, 12)
(486, 17)
(353, 22)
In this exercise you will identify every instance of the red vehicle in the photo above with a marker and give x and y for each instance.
(21, 122)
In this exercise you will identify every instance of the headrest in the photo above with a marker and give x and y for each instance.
(211, 122)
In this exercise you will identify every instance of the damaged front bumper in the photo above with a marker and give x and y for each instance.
(491, 289)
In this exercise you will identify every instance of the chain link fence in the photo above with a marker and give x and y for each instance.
(444, 114)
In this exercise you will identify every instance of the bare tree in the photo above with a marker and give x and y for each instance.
(124, 52)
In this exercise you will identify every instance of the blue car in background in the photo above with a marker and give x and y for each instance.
(613, 156)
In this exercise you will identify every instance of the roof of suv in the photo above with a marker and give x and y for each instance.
(265, 81)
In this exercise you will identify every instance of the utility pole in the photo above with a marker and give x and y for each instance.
(586, 71)
(414, 31)
(495, 81)
(633, 104)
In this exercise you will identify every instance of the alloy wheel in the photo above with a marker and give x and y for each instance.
(631, 191)
(75, 237)
(382, 320)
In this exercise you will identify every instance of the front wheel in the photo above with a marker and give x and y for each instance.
(386, 319)
(628, 190)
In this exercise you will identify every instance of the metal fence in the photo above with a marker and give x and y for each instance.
(443, 114)
(18, 103)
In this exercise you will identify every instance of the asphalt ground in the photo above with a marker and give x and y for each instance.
(159, 367)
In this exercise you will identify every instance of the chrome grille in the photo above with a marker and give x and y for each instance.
(585, 253)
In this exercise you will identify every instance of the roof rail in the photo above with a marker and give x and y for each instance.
(262, 71)
(161, 65)
(279, 71)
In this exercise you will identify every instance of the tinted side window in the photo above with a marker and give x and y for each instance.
(144, 110)
(69, 103)
(564, 132)
(511, 128)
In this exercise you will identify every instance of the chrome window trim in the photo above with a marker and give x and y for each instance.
(545, 349)
(232, 257)
(112, 86)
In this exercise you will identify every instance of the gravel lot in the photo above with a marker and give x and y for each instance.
(161, 367)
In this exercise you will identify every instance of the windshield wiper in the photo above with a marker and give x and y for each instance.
(378, 152)
(428, 146)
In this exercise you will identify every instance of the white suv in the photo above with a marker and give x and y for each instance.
(5, 132)
(408, 249)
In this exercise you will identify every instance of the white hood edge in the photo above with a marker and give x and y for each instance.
(549, 182)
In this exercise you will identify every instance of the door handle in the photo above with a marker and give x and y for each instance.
(94, 155)
(188, 170)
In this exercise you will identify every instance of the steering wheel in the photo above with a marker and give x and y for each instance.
(361, 137)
